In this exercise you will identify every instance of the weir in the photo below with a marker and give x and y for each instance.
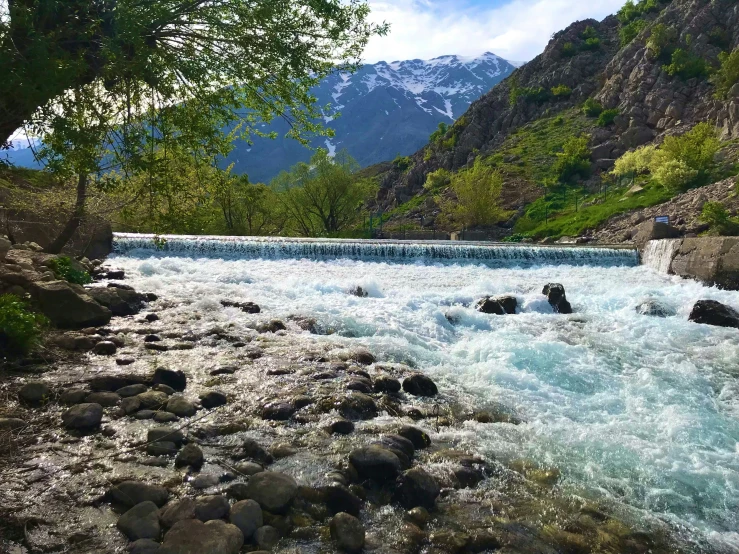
(374, 250)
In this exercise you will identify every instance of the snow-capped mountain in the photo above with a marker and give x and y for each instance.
(385, 109)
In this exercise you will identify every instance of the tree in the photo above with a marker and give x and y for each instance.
(325, 196)
(477, 191)
(574, 160)
(248, 209)
(263, 56)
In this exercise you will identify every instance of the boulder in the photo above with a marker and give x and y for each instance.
(161, 448)
(363, 356)
(339, 498)
(347, 532)
(143, 546)
(105, 399)
(375, 463)
(557, 299)
(152, 400)
(357, 405)
(252, 450)
(498, 305)
(83, 416)
(360, 384)
(266, 537)
(273, 491)
(177, 510)
(130, 404)
(131, 493)
(131, 390)
(191, 455)
(165, 417)
(211, 507)
(9, 424)
(419, 439)
(175, 379)
(342, 427)
(35, 392)
(181, 407)
(191, 536)
(165, 434)
(140, 522)
(417, 487)
(113, 382)
(247, 516)
(213, 399)
(387, 384)
(712, 260)
(651, 230)
(420, 385)
(654, 308)
(68, 306)
(5, 245)
(278, 411)
(711, 312)
(120, 301)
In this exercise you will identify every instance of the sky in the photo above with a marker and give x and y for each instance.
(516, 30)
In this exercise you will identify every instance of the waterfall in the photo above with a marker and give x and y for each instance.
(325, 249)
(658, 254)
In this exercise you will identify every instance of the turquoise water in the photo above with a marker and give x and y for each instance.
(640, 410)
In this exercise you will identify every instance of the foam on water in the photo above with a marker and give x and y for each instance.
(639, 410)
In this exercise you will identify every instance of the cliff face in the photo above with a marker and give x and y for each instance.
(651, 102)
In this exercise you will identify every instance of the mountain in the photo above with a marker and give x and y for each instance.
(651, 70)
(387, 109)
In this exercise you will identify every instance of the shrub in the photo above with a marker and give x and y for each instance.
(568, 49)
(561, 91)
(607, 117)
(591, 44)
(719, 37)
(728, 73)
(64, 268)
(427, 154)
(717, 217)
(477, 192)
(402, 162)
(629, 32)
(20, 328)
(440, 132)
(574, 160)
(537, 95)
(675, 175)
(636, 162)
(437, 180)
(589, 33)
(592, 108)
(662, 41)
(697, 148)
(687, 65)
(558, 121)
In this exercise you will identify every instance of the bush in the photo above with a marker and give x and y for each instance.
(697, 148)
(720, 38)
(437, 180)
(558, 121)
(477, 192)
(629, 32)
(607, 117)
(440, 132)
(589, 33)
(402, 162)
(574, 160)
(537, 95)
(687, 65)
(568, 49)
(20, 328)
(728, 74)
(675, 175)
(717, 217)
(636, 162)
(64, 268)
(561, 91)
(592, 44)
(662, 41)
(592, 108)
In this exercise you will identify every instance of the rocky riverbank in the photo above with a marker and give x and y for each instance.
(154, 435)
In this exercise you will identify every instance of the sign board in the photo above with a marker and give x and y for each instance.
(662, 219)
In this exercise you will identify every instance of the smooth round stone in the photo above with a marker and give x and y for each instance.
(247, 516)
(166, 389)
(342, 427)
(131, 390)
(130, 405)
(211, 507)
(161, 448)
(190, 455)
(375, 463)
(124, 361)
(105, 348)
(130, 493)
(83, 416)
(274, 491)
(140, 522)
(205, 481)
(418, 488)
(213, 399)
(347, 532)
(70, 397)
(152, 400)
(165, 417)
(105, 399)
(144, 414)
(177, 510)
(181, 407)
(266, 536)
(420, 385)
(248, 468)
(9, 424)
(34, 392)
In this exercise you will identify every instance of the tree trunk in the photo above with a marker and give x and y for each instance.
(75, 219)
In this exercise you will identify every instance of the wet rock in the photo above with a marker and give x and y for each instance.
(68, 306)
(131, 390)
(156, 346)
(342, 427)
(105, 348)
(417, 487)
(387, 384)
(191, 455)
(152, 338)
(301, 401)
(213, 399)
(83, 416)
(282, 450)
(252, 450)
(131, 493)
(357, 405)
(152, 400)
(165, 434)
(211, 507)
(140, 522)
(143, 546)
(113, 382)
(34, 392)
(271, 327)
(8, 424)
(339, 498)
(161, 448)
(325, 375)
(654, 308)
(191, 536)
(177, 510)
(175, 379)
(166, 389)
(375, 463)
(420, 385)
(483, 541)
(205, 481)
(418, 516)
(278, 411)
(419, 438)
(347, 532)
(224, 370)
(467, 477)
(124, 361)
(274, 491)
(165, 417)
(130, 405)
(151, 318)
(360, 385)
(497, 305)
(247, 516)
(557, 299)
(248, 468)
(145, 414)
(363, 356)
(181, 407)
(266, 537)
(105, 399)
(70, 397)
(246, 307)
(711, 312)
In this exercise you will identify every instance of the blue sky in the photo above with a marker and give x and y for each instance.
(514, 29)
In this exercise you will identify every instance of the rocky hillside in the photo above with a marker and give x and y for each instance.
(521, 124)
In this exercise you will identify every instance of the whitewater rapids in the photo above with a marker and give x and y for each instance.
(640, 410)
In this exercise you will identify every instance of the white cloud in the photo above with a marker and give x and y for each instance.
(516, 30)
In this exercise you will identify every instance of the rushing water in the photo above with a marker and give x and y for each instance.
(639, 410)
